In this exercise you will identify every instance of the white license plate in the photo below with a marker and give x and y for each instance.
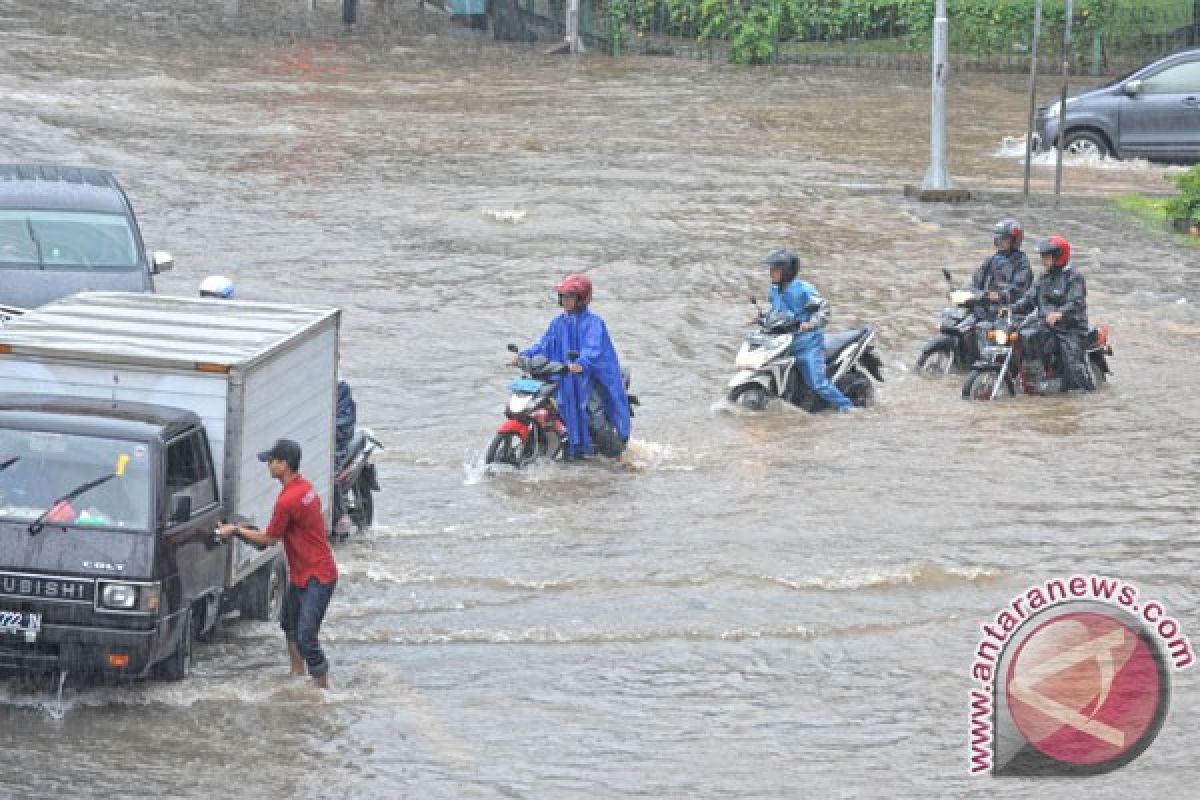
(21, 623)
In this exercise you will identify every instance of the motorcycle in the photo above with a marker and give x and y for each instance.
(956, 346)
(533, 429)
(354, 484)
(1006, 365)
(767, 369)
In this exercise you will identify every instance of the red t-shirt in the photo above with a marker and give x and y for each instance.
(298, 522)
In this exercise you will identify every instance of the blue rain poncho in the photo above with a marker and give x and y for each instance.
(585, 333)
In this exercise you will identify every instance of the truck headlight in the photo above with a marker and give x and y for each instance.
(129, 597)
(119, 595)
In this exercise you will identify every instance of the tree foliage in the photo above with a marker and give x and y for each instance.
(754, 29)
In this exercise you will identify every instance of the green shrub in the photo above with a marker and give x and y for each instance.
(1186, 205)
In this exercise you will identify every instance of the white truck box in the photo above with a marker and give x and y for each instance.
(253, 372)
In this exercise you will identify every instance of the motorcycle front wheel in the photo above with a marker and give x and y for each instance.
(751, 396)
(362, 512)
(980, 383)
(937, 357)
(508, 448)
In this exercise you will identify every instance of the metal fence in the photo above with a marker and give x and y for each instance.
(1109, 35)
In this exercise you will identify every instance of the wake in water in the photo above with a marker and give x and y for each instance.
(1013, 147)
(642, 455)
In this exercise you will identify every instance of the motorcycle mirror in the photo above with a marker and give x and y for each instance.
(512, 348)
(946, 275)
(572, 355)
(754, 300)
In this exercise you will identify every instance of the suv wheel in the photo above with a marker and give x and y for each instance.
(1086, 143)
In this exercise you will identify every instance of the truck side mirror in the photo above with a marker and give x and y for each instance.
(181, 507)
(161, 261)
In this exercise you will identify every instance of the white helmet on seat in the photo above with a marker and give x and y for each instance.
(217, 286)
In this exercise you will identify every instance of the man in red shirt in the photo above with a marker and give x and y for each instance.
(297, 522)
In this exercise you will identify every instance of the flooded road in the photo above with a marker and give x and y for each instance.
(781, 606)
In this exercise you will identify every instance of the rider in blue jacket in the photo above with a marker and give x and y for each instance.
(591, 396)
(804, 304)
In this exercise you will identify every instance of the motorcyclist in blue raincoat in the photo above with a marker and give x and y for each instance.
(804, 303)
(591, 396)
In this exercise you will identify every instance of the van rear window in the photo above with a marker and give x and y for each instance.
(66, 240)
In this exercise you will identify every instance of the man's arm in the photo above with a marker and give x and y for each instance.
(1074, 308)
(1022, 279)
(247, 533)
(1028, 301)
(542, 346)
(979, 280)
(818, 308)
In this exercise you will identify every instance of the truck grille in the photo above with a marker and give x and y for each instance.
(47, 587)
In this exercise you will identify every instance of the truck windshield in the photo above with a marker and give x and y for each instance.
(66, 240)
(44, 466)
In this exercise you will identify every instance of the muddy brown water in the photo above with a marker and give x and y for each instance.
(774, 606)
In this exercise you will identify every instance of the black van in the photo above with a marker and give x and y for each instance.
(65, 230)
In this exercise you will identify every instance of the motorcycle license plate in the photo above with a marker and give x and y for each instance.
(26, 624)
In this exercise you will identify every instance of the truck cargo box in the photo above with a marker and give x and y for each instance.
(253, 372)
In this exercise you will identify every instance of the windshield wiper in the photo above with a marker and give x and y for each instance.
(37, 243)
(6, 464)
(37, 525)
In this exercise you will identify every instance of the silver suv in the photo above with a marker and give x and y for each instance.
(1153, 112)
(67, 229)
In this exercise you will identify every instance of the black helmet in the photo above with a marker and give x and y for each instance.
(783, 258)
(1010, 228)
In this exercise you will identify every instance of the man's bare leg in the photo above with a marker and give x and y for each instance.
(297, 660)
(322, 682)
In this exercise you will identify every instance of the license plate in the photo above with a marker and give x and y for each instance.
(27, 624)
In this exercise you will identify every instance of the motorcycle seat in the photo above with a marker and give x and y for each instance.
(837, 342)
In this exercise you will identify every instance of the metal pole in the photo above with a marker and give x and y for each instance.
(1033, 71)
(573, 43)
(1062, 106)
(936, 177)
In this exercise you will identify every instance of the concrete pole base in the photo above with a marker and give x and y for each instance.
(952, 195)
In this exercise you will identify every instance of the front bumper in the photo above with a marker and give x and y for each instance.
(1045, 131)
(69, 648)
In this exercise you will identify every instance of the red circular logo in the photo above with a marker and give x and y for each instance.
(1084, 688)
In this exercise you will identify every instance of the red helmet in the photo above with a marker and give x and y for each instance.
(577, 284)
(1058, 247)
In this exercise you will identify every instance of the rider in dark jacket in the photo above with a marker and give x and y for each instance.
(1005, 275)
(1060, 295)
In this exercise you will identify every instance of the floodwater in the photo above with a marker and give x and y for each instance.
(775, 606)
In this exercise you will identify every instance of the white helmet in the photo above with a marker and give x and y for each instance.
(217, 286)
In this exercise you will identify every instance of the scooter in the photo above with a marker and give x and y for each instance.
(767, 368)
(354, 483)
(956, 346)
(532, 428)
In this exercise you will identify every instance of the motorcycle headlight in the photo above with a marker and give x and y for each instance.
(997, 337)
